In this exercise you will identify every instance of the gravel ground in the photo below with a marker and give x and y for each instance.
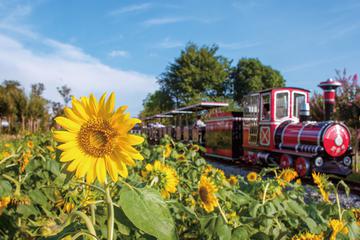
(353, 201)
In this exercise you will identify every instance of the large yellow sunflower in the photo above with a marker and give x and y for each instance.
(207, 192)
(96, 140)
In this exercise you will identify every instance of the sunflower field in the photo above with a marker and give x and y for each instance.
(92, 179)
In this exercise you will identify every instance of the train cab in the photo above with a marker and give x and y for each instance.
(264, 111)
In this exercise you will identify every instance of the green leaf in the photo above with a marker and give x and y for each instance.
(147, 211)
(240, 233)
(122, 222)
(296, 208)
(27, 211)
(260, 236)
(5, 188)
(222, 229)
(37, 196)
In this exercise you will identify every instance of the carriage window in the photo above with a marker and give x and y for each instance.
(282, 104)
(299, 99)
(265, 107)
(251, 106)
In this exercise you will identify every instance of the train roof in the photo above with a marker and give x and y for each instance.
(158, 116)
(281, 88)
(203, 106)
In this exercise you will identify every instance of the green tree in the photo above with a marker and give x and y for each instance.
(156, 102)
(65, 93)
(251, 75)
(198, 73)
(13, 103)
(37, 108)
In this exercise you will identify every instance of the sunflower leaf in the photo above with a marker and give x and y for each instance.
(148, 212)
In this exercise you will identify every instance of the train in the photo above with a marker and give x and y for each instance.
(274, 128)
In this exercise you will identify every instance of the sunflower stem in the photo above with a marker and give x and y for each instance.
(265, 191)
(222, 213)
(87, 221)
(338, 204)
(110, 219)
(92, 209)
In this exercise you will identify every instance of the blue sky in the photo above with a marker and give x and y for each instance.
(122, 46)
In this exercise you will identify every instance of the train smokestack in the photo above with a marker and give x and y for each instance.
(304, 112)
(329, 87)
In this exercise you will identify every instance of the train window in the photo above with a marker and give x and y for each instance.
(299, 98)
(282, 105)
(265, 107)
(250, 105)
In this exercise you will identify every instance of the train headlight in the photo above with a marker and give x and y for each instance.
(319, 161)
(347, 161)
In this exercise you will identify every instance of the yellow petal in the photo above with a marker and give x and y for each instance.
(112, 169)
(67, 145)
(110, 103)
(83, 168)
(66, 157)
(79, 109)
(93, 104)
(64, 136)
(68, 124)
(134, 139)
(122, 169)
(119, 156)
(101, 170)
(73, 165)
(91, 174)
(69, 113)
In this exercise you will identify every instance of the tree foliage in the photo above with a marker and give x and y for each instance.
(156, 102)
(198, 72)
(251, 75)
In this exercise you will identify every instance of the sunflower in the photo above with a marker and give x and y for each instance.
(4, 202)
(321, 181)
(30, 144)
(337, 226)
(298, 181)
(181, 157)
(308, 236)
(356, 212)
(96, 140)
(252, 176)
(68, 207)
(166, 177)
(25, 161)
(50, 148)
(7, 145)
(207, 192)
(286, 176)
(167, 151)
(195, 147)
(233, 180)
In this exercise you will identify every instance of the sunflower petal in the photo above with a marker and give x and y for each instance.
(91, 174)
(119, 156)
(134, 139)
(122, 169)
(93, 104)
(79, 109)
(67, 146)
(68, 124)
(83, 168)
(110, 103)
(64, 136)
(69, 113)
(112, 169)
(101, 170)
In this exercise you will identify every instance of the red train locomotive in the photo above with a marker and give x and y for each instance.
(274, 127)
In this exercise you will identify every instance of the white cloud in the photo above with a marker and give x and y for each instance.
(118, 53)
(164, 20)
(130, 8)
(168, 43)
(67, 64)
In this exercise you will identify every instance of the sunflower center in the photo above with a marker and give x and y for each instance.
(204, 194)
(96, 137)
